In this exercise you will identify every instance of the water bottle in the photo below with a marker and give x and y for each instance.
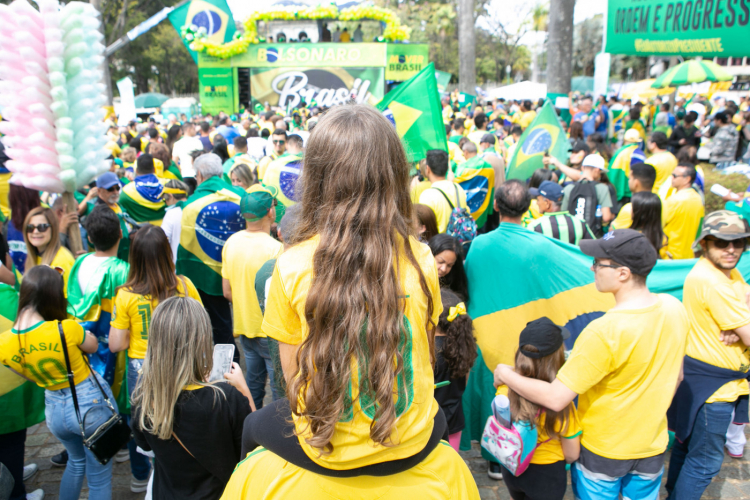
(598, 217)
(501, 410)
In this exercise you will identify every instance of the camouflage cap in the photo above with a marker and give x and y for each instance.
(724, 225)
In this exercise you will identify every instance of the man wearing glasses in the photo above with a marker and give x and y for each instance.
(278, 141)
(682, 213)
(624, 368)
(107, 192)
(715, 391)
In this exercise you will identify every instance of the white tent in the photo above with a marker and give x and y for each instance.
(519, 91)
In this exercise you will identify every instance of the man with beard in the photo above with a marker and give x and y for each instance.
(715, 391)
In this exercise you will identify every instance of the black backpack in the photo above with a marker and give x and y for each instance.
(583, 202)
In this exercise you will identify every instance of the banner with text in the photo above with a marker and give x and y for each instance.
(286, 87)
(404, 60)
(688, 28)
(311, 55)
(216, 87)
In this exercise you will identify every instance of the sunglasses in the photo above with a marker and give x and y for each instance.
(678, 175)
(42, 228)
(722, 244)
(114, 188)
(279, 142)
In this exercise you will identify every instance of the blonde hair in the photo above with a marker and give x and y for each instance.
(53, 246)
(128, 155)
(179, 354)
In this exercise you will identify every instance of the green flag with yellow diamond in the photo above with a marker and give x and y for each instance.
(544, 136)
(415, 109)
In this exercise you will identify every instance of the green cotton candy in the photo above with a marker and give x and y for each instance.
(59, 109)
(75, 50)
(74, 36)
(58, 94)
(73, 66)
(57, 78)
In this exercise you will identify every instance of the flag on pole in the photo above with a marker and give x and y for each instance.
(415, 109)
(544, 135)
(214, 16)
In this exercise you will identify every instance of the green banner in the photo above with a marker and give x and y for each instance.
(311, 55)
(688, 28)
(443, 79)
(286, 87)
(405, 60)
(216, 87)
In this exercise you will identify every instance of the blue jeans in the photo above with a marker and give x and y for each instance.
(696, 461)
(258, 366)
(62, 422)
(139, 464)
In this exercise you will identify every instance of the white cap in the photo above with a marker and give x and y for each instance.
(632, 135)
(594, 161)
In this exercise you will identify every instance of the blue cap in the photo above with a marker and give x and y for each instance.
(550, 190)
(107, 180)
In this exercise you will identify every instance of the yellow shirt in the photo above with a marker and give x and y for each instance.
(64, 260)
(418, 189)
(549, 451)
(263, 475)
(664, 163)
(525, 119)
(437, 202)
(285, 321)
(36, 353)
(455, 153)
(345, 37)
(263, 165)
(624, 217)
(133, 312)
(243, 254)
(715, 303)
(683, 220)
(531, 214)
(626, 363)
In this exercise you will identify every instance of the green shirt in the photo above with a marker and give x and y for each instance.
(562, 226)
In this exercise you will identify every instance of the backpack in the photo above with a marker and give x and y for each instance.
(460, 224)
(513, 447)
(583, 202)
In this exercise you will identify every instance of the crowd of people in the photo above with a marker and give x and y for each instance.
(346, 273)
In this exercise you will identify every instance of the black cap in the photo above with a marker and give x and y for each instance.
(543, 334)
(580, 146)
(626, 247)
(488, 138)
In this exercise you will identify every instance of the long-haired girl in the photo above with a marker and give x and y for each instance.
(449, 258)
(42, 236)
(647, 219)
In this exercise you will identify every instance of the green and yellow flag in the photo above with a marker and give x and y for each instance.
(619, 168)
(214, 16)
(414, 108)
(544, 135)
(142, 199)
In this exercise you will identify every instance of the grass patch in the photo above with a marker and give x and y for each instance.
(738, 183)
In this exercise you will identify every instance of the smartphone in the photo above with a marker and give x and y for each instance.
(223, 355)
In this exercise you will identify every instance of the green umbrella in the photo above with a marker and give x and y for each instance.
(150, 100)
(692, 72)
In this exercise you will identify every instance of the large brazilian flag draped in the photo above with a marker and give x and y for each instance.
(141, 199)
(210, 216)
(283, 174)
(516, 276)
(477, 178)
(417, 112)
(21, 401)
(619, 168)
(544, 135)
(214, 16)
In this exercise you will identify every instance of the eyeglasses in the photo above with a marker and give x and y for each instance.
(114, 188)
(279, 142)
(598, 264)
(722, 244)
(42, 228)
(678, 175)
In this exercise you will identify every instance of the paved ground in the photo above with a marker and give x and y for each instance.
(733, 482)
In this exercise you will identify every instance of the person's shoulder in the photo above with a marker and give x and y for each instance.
(703, 274)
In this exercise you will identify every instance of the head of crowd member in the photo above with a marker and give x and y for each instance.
(426, 222)
(152, 270)
(294, 144)
(128, 155)
(175, 191)
(723, 239)
(278, 139)
(585, 104)
(281, 125)
(458, 126)
(205, 129)
(42, 290)
(631, 137)
(512, 200)
(240, 145)
(174, 134)
(449, 258)
(160, 152)
(258, 207)
(207, 166)
(592, 167)
(153, 135)
(516, 131)
(622, 260)
(145, 165)
(578, 152)
(683, 176)
(288, 225)
(540, 175)
(188, 129)
(469, 150)
(634, 113)
(108, 188)
(265, 133)
(576, 131)
(480, 121)
(548, 196)
(41, 234)
(721, 119)
(437, 165)
(690, 118)
(657, 142)
(487, 141)
(22, 200)
(642, 177)
(526, 105)
(135, 143)
(103, 229)
(597, 143)
(241, 176)
(647, 219)
(253, 132)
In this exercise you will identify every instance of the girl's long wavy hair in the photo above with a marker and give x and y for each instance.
(355, 197)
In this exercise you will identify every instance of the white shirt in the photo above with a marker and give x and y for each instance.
(698, 108)
(358, 35)
(256, 147)
(87, 269)
(337, 36)
(172, 226)
(182, 150)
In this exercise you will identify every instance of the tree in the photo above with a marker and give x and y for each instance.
(467, 76)
(587, 43)
(560, 46)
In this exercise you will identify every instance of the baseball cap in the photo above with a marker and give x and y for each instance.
(550, 190)
(580, 146)
(488, 138)
(724, 225)
(632, 135)
(594, 161)
(626, 247)
(257, 202)
(543, 334)
(107, 180)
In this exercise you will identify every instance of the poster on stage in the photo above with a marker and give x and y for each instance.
(287, 87)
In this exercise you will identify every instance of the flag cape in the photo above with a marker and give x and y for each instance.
(477, 178)
(234, 161)
(619, 169)
(141, 199)
(210, 216)
(544, 135)
(283, 174)
(214, 16)
(549, 278)
(21, 401)
(94, 310)
(417, 112)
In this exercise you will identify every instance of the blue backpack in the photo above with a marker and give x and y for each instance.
(461, 225)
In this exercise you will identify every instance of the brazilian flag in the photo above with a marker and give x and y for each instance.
(171, 172)
(619, 168)
(477, 178)
(544, 135)
(214, 16)
(415, 109)
(141, 199)
(283, 174)
(210, 216)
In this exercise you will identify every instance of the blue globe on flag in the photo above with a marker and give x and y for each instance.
(215, 224)
(538, 141)
(272, 55)
(288, 178)
(207, 19)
